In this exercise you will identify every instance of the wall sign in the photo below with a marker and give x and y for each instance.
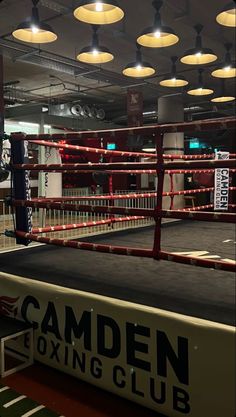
(221, 195)
(173, 364)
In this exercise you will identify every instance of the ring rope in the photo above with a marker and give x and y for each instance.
(49, 229)
(183, 165)
(177, 214)
(125, 196)
(194, 126)
(120, 250)
(127, 166)
(120, 153)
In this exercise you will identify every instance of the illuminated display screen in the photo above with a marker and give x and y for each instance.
(111, 146)
(194, 144)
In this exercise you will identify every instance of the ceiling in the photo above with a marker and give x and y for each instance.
(52, 74)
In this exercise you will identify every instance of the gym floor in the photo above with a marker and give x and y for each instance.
(70, 397)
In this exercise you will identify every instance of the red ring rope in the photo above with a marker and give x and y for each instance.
(49, 229)
(195, 126)
(127, 165)
(185, 164)
(125, 196)
(177, 214)
(101, 151)
(122, 250)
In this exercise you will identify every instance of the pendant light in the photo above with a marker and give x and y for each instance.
(223, 96)
(174, 80)
(98, 12)
(139, 68)
(198, 55)
(33, 30)
(95, 54)
(157, 36)
(200, 90)
(227, 70)
(227, 16)
(149, 147)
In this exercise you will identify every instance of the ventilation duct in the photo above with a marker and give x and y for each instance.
(87, 112)
(101, 114)
(77, 110)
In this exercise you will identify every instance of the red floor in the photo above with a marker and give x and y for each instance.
(71, 397)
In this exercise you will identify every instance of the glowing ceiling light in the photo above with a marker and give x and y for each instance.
(227, 70)
(198, 55)
(139, 68)
(34, 31)
(223, 96)
(200, 89)
(222, 99)
(99, 6)
(157, 36)
(95, 54)
(227, 16)
(98, 12)
(175, 80)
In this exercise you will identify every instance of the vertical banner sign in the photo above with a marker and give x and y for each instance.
(135, 108)
(221, 196)
(22, 191)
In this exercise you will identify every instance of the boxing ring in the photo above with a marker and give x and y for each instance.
(155, 346)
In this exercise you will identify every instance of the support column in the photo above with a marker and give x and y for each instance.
(171, 110)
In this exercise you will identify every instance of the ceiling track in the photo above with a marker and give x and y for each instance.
(59, 63)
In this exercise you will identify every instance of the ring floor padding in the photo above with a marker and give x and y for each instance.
(190, 290)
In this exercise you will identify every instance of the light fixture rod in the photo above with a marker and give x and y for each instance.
(173, 69)
(200, 77)
(35, 15)
(95, 40)
(198, 29)
(222, 87)
(157, 4)
(228, 47)
(138, 54)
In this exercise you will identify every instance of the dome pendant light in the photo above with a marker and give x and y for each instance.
(201, 90)
(98, 12)
(227, 70)
(174, 80)
(149, 147)
(227, 16)
(223, 97)
(139, 68)
(33, 30)
(198, 55)
(95, 54)
(157, 36)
